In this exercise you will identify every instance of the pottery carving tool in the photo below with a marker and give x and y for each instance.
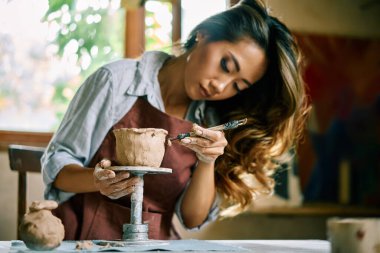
(226, 126)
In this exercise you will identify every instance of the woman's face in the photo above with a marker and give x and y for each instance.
(219, 70)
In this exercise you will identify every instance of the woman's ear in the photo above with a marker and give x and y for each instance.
(200, 36)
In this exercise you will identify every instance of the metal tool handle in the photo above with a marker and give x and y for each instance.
(226, 126)
(229, 125)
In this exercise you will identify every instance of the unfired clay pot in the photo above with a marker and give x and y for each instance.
(140, 146)
(39, 228)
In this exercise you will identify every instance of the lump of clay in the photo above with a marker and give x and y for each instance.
(140, 146)
(84, 245)
(40, 229)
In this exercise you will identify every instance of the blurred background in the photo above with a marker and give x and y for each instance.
(48, 47)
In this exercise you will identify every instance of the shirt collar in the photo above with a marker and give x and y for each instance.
(146, 75)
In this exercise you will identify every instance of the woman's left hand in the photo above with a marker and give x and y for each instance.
(207, 144)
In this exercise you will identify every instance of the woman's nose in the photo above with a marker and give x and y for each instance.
(218, 86)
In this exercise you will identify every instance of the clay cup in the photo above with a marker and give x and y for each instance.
(140, 146)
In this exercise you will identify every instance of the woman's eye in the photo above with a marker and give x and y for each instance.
(223, 64)
(236, 87)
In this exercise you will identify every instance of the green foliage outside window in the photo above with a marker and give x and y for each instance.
(90, 32)
(158, 25)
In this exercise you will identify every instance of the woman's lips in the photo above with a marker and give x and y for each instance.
(204, 92)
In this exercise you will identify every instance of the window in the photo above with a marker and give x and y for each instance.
(159, 20)
(46, 54)
(158, 25)
(195, 11)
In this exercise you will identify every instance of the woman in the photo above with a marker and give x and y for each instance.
(240, 63)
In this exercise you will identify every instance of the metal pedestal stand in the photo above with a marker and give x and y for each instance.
(136, 232)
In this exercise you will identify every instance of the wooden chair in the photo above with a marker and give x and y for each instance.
(24, 159)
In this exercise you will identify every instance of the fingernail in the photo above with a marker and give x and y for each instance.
(198, 132)
(186, 140)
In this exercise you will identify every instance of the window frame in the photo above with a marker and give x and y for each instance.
(7, 137)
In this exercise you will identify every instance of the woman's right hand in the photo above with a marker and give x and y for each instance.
(111, 184)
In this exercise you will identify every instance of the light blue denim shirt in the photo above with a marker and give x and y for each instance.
(101, 101)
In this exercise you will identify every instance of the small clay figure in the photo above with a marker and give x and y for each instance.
(40, 229)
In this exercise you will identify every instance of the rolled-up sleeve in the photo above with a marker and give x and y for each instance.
(84, 126)
(212, 215)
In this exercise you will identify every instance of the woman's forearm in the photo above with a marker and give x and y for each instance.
(74, 178)
(199, 196)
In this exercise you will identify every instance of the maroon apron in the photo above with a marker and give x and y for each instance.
(88, 216)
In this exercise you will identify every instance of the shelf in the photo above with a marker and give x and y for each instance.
(320, 209)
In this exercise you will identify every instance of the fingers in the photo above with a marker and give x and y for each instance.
(213, 152)
(111, 184)
(202, 142)
(207, 144)
(101, 173)
(204, 151)
(110, 177)
(121, 189)
(207, 133)
(120, 176)
(104, 163)
(121, 193)
(206, 138)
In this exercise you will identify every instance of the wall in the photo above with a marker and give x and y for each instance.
(359, 18)
(248, 226)
(340, 41)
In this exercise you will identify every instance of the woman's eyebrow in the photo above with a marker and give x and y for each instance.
(237, 66)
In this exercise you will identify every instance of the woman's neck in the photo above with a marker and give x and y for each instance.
(171, 79)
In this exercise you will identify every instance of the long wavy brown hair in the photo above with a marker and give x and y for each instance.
(276, 106)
